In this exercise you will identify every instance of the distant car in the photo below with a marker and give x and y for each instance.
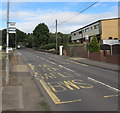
(18, 46)
(10, 48)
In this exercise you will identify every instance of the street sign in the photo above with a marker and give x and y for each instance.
(111, 42)
(12, 28)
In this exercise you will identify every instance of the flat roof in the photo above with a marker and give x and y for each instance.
(94, 23)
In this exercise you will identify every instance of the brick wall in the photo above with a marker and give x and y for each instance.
(113, 59)
(98, 56)
(75, 51)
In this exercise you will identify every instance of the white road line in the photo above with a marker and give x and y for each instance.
(19, 53)
(42, 58)
(51, 62)
(104, 84)
(66, 68)
(48, 60)
(60, 66)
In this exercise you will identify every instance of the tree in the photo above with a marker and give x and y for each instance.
(41, 35)
(52, 38)
(29, 41)
(19, 37)
(94, 45)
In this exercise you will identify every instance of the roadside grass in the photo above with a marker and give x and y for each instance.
(44, 105)
(2, 54)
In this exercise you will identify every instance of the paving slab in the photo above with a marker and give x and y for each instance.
(12, 98)
(20, 68)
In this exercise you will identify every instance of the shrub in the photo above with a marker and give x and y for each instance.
(94, 45)
(48, 46)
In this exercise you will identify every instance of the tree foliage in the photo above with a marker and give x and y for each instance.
(41, 35)
(19, 37)
(29, 41)
(94, 45)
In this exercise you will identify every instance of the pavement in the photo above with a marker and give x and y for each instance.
(99, 64)
(21, 93)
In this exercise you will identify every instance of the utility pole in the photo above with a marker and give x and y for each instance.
(7, 45)
(56, 38)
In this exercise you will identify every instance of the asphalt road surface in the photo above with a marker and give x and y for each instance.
(72, 86)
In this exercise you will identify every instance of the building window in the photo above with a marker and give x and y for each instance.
(110, 38)
(86, 30)
(74, 34)
(115, 38)
(96, 26)
(80, 32)
(91, 28)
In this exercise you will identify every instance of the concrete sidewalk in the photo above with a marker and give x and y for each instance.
(22, 93)
(103, 65)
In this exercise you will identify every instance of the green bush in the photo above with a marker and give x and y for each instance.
(48, 46)
(94, 45)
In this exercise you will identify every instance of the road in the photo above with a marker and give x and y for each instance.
(72, 86)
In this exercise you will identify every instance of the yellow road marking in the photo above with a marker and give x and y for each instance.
(51, 94)
(49, 69)
(55, 99)
(69, 101)
(44, 65)
(68, 84)
(111, 96)
(36, 75)
(61, 74)
(32, 67)
(55, 69)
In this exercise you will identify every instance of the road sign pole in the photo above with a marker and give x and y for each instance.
(7, 46)
(7, 41)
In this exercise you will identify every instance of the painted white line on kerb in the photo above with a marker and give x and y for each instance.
(104, 84)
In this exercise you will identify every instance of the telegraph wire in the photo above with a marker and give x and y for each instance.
(78, 13)
(53, 25)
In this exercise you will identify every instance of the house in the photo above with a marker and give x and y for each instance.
(106, 29)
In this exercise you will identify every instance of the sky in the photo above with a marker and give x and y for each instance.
(28, 15)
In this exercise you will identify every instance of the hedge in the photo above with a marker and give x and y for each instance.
(48, 46)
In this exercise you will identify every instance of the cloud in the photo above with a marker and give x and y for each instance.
(28, 20)
(62, 0)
